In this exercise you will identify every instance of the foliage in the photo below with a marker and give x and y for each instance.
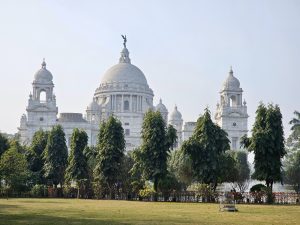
(14, 169)
(242, 170)
(180, 165)
(205, 191)
(4, 144)
(39, 191)
(168, 184)
(257, 187)
(34, 156)
(206, 148)
(153, 154)
(292, 171)
(55, 156)
(267, 143)
(110, 147)
(77, 169)
(147, 192)
(292, 161)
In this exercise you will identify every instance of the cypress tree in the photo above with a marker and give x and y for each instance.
(77, 169)
(55, 156)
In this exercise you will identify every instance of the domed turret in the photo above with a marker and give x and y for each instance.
(231, 83)
(43, 75)
(93, 106)
(175, 115)
(163, 110)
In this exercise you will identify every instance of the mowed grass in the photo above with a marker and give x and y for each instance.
(74, 211)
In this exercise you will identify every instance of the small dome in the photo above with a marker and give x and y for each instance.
(93, 106)
(231, 83)
(43, 75)
(124, 73)
(175, 115)
(161, 107)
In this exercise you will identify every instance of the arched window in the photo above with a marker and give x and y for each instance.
(233, 101)
(43, 97)
(126, 105)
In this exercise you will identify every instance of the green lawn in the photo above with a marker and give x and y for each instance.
(73, 211)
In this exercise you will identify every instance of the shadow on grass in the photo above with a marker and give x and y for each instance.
(43, 219)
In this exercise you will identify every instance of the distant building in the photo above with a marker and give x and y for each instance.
(124, 93)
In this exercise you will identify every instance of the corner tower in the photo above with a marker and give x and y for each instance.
(41, 108)
(231, 112)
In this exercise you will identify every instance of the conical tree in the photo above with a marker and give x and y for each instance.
(157, 140)
(55, 156)
(206, 149)
(34, 155)
(77, 169)
(110, 147)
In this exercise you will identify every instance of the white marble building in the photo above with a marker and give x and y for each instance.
(125, 93)
(231, 113)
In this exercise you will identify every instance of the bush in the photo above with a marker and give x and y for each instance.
(258, 187)
(39, 191)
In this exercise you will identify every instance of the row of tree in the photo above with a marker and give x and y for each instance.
(106, 170)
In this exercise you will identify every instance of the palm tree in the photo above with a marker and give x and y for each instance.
(295, 121)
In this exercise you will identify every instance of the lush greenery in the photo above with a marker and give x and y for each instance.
(292, 162)
(206, 149)
(74, 211)
(267, 143)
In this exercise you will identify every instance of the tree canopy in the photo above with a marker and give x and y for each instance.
(110, 148)
(157, 140)
(55, 156)
(267, 143)
(206, 148)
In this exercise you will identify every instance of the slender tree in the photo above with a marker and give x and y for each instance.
(157, 140)
(267, 143)
(55, 156)
(206, 148)
(77, 169)
(34, 155)
(110, 147)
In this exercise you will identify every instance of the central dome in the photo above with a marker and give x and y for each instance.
(124, 73)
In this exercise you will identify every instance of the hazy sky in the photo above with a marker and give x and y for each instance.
(185, 49)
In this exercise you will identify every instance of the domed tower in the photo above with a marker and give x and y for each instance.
(177, 122)
(125, 93)
(231, 113)
(41, 109)
(163, 110)
(93, 112)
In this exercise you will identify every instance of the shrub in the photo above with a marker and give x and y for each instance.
(39, 191)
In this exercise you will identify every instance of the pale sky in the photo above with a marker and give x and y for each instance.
(185, 49)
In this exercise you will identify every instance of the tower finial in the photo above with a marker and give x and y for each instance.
(231, 71)
(43, 63)
(124, 40)
(124, 53)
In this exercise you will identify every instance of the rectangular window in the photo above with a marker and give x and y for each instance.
(234, 143)
(126, 124)
(127, 132)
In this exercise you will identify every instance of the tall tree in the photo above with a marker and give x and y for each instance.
(110, 147)
(157, 140)
(206, 148)
(77, 169)
(55, 156)
(4, 144)
(13, 169)
(267, 143)
(34, 155)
